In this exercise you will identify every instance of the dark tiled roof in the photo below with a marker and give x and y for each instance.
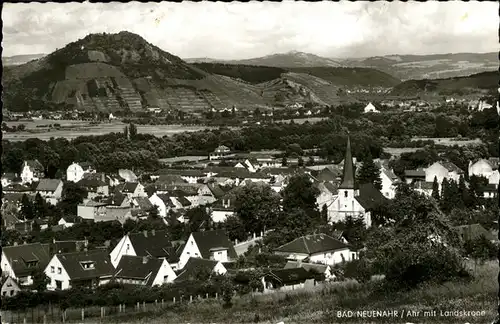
(216, 190)
(156, 244)
(183, 200)
(370, 197)
(332, 187)
(348, 174)
(490, 187)
(19, 256)
(9, 176)
(16, 197)
(327, 175)
(289, 276)
(97, 176)
(138, 267)
(48, 184)
(311, 244)
(35, 165)
(320, 268)
(169, 179)
(183, 172)
(166, 199)
(72, 264)
(474, 232)
(415, 173)
(143, 203)
(66, 246)
(213, 239)
(91, 183)
(193, 265)
(129, 187)
(451, 167)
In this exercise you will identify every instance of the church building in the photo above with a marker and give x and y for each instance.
(352, 199)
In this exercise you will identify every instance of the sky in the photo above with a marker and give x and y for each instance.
(246, 30)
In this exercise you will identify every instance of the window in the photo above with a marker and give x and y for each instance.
(59, 284)
(345, 193)
(353, 256)
(4, 293)
(219, 253)
(59, 270)
(87, 265)
(12, 292)
(52, 269)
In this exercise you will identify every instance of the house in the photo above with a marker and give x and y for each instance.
(85, 269)
(115, 213)
(194, 266)
(352, 199)
(15, 198)
(75, 171)
(156, 244)
(172, 176)
(424, 187)
(247, 165)
(66, 221)
(327, 193)
(443, 170)
(390, 182)
(143, 205)
(32, 171)
(132, 189)
(94, 187)
(50, 190)
(287, 279)
(317, 248)
(220, 153)
(473, 232)
(412, 176)
(370, 108)
(323, 269)
(487, 168)
(10, 287)
(163, 202)
(91, 210)
(209, 245)
(489, 191)
(222, 209)
(20, 261)
(143, 271)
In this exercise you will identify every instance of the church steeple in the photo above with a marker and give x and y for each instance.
(348, 177)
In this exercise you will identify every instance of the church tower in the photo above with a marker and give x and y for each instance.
(347, 188)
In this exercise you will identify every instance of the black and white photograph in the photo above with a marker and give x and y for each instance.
(250, 162)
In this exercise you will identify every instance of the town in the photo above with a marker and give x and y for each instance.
(273, 172)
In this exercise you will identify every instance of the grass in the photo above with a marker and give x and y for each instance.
(322, 304)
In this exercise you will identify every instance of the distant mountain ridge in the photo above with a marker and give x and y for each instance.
(404, 67)
(20, 59)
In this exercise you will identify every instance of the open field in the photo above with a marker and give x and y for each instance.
(449, 141)
(396, 151)
(71, 129)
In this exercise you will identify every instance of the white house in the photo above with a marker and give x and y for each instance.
(32, 171)
(76, 171)
(132, 189)
(65, 223)
(144, 271)
(79, 269)
(153, 243)
(317, 248)
(324, 269)
(487, 168)
(221, 210)
(209, 245)
(389, 182)
(220, 152)
(442, 170)
(20, 261)
(370, 108)
(91, 210)
(50, 190)
(163, 202)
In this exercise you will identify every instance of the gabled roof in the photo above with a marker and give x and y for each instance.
(20, 255)
(451, 167)
(16, 197)
(66, 246)
(348, 174)
(127, 175)
(166, 200)
(415, 173)
(9, 176)
(328, 174)
(169, 179)
(155, 244)
(91, 183)
(311, 244)
(72, 263)
(117, 213)
(391, 175)
(129, 187)
(143, 203)
(370, 197)
(216, 190)
(473, 232)
(320, 268)
(48, 184)
(16, 187)
(35, 165)
(138, 267)
(193, 265)
(213, 239)
(289, 276)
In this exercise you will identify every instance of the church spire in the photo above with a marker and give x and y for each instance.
(348, 177)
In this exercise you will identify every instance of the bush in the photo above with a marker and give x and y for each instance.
(360, 270)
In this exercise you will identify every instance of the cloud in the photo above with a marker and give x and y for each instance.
(244, 30)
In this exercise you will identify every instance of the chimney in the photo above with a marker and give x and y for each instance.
(54, 240)
(153, 232)
(15, 243)
(145, 233)
(144, 259)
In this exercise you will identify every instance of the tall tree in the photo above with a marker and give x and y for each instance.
(369, 173)
(284, 161)
(132, 128)
(40, 207)
(435, 189)
(300, 193)
(72, 196)
(324, 213)
(27, 208)
(445, 195)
